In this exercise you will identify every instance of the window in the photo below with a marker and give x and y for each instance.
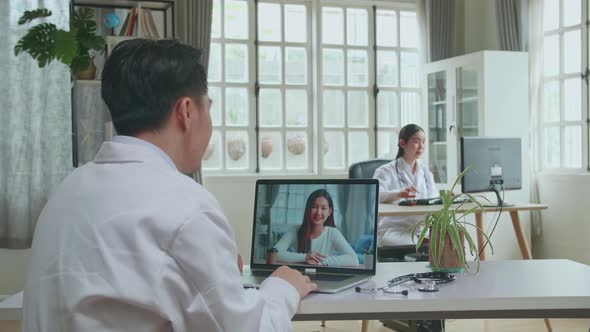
(302, 96)
(563, 130)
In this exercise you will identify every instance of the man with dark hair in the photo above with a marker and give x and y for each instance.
(129, 243)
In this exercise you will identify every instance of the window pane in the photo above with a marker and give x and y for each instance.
(358, 68)
(357, 26)
(271, 108)
(572, 95)
(297, 150)
(236, 150)
(408, 29)
(215, 95)
(332, 25)
(387, 68)
(212, 157)
(296, 112)
(551, 56)
(550, 14)
(358, 146)
(551, 101)
(214, 74)
(295, 65)
(358, 109)
(572, 152)
(269, 28)
(387, 109)
(386, 28)
(572, 12)
(551, 147)
(271, 146)
(236, 19)
(236, 107)
(387, 144)
(572, 51)
(236, 63)
(410, 108)
(333, 149)
(333, 66)
(409, 66)
(270, 64)
(216, 20)
(295, 24)
(333, 110)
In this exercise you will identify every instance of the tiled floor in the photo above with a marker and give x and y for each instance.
(463, 325)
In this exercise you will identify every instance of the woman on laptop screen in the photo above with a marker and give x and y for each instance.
(317, 241)
(404, 178)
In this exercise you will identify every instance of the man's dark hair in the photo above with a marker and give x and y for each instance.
(143, 78)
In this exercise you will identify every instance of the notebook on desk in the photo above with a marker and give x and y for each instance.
(286, 210)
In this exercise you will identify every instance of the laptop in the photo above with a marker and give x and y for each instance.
(327, 229)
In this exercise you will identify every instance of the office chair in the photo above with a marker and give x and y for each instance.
(366, 169)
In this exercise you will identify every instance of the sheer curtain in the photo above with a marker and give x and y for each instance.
(35, 125)
(535, 41)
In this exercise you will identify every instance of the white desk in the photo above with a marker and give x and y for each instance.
(501, 289)
(394, 210)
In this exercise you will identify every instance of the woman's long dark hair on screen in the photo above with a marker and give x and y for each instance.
(304, 233)
(405, 134)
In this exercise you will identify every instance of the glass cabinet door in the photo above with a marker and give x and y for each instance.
(437, 126)
(467, 102)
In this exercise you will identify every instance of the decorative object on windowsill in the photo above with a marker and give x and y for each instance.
(325, 147)
(265, 146)
(296, 144)
(236, 147)
(209, 151)
(45, 42)
(448, 231)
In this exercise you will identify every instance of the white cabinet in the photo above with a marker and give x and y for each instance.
(479, 94)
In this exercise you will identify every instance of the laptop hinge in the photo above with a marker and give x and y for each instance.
(310, 271)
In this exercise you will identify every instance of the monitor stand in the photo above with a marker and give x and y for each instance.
(496, 190)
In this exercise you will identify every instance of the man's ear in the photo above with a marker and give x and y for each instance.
(181, 112)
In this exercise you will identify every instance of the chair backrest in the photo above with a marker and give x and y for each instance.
(365, 169)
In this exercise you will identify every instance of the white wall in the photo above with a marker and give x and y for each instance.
(565, 227)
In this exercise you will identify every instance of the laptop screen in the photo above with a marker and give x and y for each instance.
(320, 224)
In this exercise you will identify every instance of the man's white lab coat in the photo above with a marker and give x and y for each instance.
(127, 243)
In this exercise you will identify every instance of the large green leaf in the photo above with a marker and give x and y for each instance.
(39, 42)
(30, 15)
(65, 46)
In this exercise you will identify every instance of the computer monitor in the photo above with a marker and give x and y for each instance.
(494, 165)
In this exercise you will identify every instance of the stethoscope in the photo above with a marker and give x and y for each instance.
(429, 280)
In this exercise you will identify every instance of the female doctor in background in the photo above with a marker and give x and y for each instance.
(404, 177)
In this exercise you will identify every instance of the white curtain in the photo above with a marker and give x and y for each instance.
(535, 41)
(35, 125)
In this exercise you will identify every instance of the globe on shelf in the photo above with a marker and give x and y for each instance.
(111, 21)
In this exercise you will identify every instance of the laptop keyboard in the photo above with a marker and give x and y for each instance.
(316, 277)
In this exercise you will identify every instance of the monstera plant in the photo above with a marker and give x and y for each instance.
(45, 42)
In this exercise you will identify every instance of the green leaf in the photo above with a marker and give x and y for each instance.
(39, 42)
(65, 46)
(30, 15)
(80, 62)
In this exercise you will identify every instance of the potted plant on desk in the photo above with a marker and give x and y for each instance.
(447, 229)
(45, 42)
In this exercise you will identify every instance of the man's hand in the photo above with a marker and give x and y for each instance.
(295, 278)
(409, 192)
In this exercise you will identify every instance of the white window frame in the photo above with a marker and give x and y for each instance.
(560, 79)
(314, 88)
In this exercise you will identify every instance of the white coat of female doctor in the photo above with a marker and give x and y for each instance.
(404, 177)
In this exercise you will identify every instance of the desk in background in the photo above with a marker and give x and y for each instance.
(394, 210)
